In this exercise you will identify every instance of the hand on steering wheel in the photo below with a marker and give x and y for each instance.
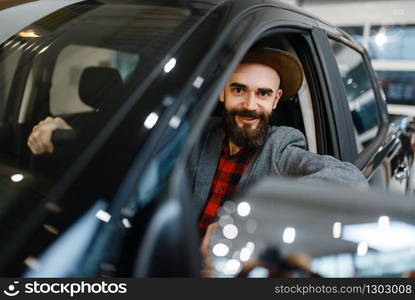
(40, 139)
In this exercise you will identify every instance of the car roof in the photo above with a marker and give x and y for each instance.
(323, 24)
(275, 3)
(19, 16)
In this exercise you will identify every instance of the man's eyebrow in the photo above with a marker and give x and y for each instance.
(244, 86)
(265, 90)
(238, 85)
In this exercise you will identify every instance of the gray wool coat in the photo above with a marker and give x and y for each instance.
(283, 154)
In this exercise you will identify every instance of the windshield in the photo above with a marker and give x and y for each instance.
(79, 63)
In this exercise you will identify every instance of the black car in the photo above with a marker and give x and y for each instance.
(139, 80)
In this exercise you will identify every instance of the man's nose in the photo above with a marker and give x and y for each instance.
(250, 101)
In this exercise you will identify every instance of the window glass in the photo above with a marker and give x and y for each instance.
(359, 92)
(71, 62)
(392, 42)
(399, 86)
(7, 69)
(355, 31)
(81, 62)
(391, 47)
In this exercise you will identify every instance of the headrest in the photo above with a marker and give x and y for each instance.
(98, 85)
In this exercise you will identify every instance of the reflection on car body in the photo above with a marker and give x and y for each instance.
(344, 231)
(122, 179)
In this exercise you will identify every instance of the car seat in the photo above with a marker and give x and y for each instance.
(99, 87)
(288, 113)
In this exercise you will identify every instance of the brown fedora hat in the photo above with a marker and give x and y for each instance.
(287, 66)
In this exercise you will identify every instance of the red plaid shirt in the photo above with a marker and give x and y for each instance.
(224, 184)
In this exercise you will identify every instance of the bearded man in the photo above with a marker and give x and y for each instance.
(243, 147)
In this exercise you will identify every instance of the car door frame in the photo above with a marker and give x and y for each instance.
(385, 142)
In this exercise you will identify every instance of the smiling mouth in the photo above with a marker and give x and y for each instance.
(247, 120)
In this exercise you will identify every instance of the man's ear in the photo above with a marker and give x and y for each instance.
(277, 98)
(222, 95)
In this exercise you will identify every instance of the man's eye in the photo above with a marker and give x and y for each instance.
(238, 90)
(264, 93)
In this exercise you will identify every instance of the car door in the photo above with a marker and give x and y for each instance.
(382, 149)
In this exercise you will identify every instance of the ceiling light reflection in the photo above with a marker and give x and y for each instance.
(337, 230)
(198, 82)
(232, 267)
(43, 50)
(17, 177)
(245, 254)
(289, 235)
(384, 224)
(220, 249)
(259, 272)
(30, 33)
(170, 65)
(51, 229)
(32, 263)
(230, 231)
(21, 47)
(362, 248)
(151, 120)
(103, 216)
(250, 246)
(175, 122)
(126, 223)
(244, 209)
(381, 39)
(400, 236)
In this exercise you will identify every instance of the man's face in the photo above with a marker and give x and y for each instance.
(249, 97)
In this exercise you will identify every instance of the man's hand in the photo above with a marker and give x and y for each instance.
(40, 139)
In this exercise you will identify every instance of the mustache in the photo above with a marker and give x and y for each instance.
(245, 113)
(246, 136)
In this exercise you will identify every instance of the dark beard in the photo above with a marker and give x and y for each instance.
(245, 137)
